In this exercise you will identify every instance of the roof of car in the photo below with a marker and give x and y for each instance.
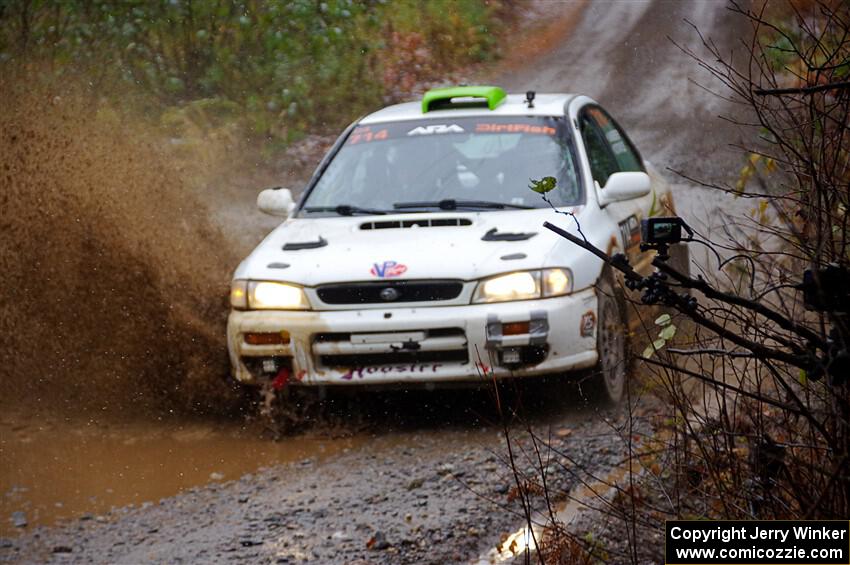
(514, 105)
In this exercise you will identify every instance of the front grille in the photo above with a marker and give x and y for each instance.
(389, 292)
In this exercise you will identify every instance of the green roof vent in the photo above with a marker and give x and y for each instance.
(439, 98)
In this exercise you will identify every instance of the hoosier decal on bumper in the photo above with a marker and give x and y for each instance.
(413, 368)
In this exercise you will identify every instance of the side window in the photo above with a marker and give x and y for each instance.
(602, 161)
(624, 152)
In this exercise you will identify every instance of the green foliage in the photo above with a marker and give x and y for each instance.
(668, 332)
(290, 66)
(785, 41)
(544, 185)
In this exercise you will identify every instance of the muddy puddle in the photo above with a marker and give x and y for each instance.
(53, 469)
(62, 470)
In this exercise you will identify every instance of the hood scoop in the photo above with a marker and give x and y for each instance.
(421, 223)
(513, 257)
(298, 245)
(496, 235)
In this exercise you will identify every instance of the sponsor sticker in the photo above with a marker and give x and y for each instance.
(387, 269)
(514, 128)
(412, 368)
(436, 129)
(588, 324)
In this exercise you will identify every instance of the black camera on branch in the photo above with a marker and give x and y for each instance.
(659, 233)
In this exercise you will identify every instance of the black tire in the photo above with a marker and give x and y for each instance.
(608, 380)
(288, 411)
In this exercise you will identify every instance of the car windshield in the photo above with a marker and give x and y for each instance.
(470, 163)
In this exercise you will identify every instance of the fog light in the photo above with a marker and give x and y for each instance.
(270, 365)
(515, 328)
(510, 356)
(267, 338)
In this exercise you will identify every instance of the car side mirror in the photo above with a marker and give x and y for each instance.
(624, 186)
(276, 201)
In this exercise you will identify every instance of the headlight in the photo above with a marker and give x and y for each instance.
(267, 295)
(557, 282)
(513, 286)
(524, 285)
(264, 295)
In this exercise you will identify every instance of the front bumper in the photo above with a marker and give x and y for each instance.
(417, 345)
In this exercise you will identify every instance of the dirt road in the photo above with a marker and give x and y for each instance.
(431, 487)
(425, 481)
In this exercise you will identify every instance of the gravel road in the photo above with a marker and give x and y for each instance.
(436, 488)
(431, 492)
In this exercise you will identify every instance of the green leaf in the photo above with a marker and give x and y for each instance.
(668, 332)
(804, 376)
(653, 347)
(544, 185)
(652, 210)
(662, 320)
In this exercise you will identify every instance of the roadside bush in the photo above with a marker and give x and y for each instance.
(290, 67)
(754, 418)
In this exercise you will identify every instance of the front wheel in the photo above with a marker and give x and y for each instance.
(608, 379)
(283, 412)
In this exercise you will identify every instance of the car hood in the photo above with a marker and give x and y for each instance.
(367, 248)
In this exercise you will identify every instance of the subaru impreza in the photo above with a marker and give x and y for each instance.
(416, 254)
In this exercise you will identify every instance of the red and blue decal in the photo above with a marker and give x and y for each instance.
(388, 269)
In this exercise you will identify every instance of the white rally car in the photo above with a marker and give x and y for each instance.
(416, 254)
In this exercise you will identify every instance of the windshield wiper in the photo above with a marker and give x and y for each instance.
(452, 204)
(344, 210)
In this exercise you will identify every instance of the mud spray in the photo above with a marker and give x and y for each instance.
(114, 281)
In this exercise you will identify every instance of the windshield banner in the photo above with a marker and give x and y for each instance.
(483, 125)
